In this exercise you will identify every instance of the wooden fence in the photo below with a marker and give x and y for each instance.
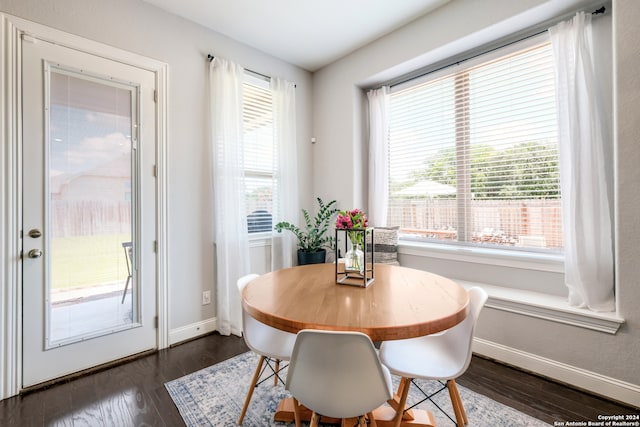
(71, 218)
(535, 222)
(519, 222)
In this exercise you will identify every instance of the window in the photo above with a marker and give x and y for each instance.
(259, 154)
(473, 157)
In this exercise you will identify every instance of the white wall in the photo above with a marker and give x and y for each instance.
(143, 29)
(623, 352)
(335, 104)
(458, 26)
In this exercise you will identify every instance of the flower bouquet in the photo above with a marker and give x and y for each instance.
(354, 222)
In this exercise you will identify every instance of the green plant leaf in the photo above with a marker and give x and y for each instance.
(314, 236)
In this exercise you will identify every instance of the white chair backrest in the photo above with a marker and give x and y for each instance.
(244, 281)
(337, 374)
(262, 338)
(460, 337)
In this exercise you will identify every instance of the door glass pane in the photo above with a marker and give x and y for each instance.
(91, 158)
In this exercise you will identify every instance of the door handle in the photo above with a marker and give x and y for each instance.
(34, 253)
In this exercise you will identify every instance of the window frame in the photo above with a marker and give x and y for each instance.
(474, 266)
(527, 258)
(252, 173)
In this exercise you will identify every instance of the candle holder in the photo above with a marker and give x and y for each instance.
(355, 265)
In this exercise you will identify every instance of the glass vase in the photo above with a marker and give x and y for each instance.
(354, 259)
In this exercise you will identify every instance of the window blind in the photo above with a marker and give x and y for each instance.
(259, 154)
(473, 155)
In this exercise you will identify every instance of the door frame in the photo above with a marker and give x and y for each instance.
(12, 30)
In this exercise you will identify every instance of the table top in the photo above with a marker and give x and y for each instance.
(401, 303)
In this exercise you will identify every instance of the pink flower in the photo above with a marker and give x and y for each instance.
(343, 221)
(354, 218)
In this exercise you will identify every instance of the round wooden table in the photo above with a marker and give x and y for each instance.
(401, 303)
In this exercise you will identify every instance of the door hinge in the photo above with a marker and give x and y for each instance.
(28, 38)
(155, 246)
(155, 322)
(155, 96)
(155, 171)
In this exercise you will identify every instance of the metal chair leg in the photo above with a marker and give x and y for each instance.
(126, 286)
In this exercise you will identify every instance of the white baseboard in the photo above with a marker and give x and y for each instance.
(191, 331)
(581, 378)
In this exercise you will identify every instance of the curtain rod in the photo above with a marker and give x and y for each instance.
(409, 77)
(211, 58)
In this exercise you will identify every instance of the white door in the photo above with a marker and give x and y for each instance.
(89, 212)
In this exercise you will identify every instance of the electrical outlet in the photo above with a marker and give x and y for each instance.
(206, 297)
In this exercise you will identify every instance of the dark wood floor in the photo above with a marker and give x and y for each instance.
(133, 393)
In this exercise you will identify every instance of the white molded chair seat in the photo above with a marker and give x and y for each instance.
(270, 343)
(337, 374)
(266, 340)
(443, 357)
(423, 357)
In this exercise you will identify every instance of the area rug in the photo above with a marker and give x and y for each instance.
(214, 397)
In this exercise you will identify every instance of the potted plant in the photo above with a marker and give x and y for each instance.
(313, 239)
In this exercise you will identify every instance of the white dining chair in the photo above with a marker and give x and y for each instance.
(273, 345)
(443, 357)
(338, 375)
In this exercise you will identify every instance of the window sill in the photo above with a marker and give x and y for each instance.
(496, 257)
(525, 302)
(259, 240)
(547, 307)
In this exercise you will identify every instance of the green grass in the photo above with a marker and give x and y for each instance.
(87, 260)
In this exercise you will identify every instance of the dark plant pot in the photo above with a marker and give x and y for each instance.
(311, 257)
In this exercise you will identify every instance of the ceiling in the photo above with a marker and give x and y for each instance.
(306, 33)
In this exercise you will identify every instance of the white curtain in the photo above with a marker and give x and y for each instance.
(230, 224)
(584, 143)
(283, 245)
(378, 156)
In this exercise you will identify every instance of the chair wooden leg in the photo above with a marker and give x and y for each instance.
(456, 403)
(277, 369)
(403, 401)
(254, 381)
(395, 402)
(401, 386)
(464, 413)
(315, 418)
(372, 421)
(296, 412)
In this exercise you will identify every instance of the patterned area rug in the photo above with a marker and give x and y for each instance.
(214, 396)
